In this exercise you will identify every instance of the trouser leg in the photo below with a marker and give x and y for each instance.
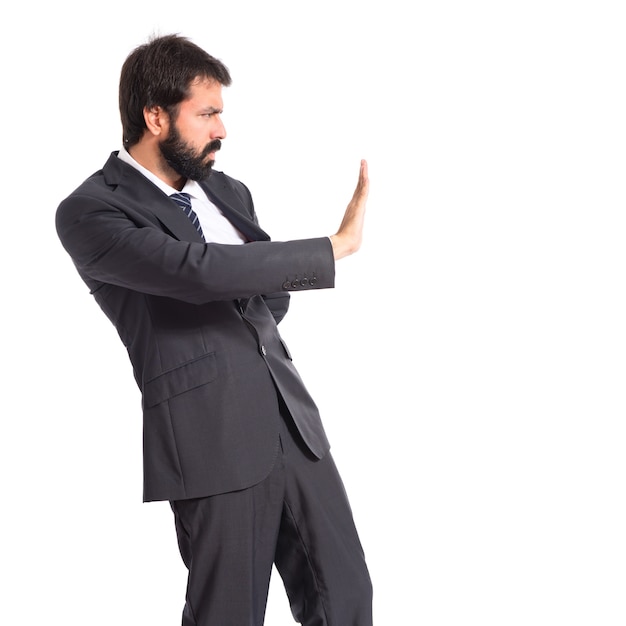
(298, 517)
(227, 543)
(319, 554)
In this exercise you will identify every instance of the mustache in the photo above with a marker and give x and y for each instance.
(214, 146)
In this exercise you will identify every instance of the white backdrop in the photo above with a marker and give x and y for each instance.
(470, 364)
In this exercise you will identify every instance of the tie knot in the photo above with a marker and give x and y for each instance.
(183, 200)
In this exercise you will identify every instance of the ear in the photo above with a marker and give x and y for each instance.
(157, 120)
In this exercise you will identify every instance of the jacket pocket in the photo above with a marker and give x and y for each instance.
(179, 380)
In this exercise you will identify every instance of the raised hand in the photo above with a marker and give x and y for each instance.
(348, 238)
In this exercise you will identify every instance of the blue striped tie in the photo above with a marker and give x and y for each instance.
(183, 200)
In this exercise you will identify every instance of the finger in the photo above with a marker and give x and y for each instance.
(363, 170)
(363, 184)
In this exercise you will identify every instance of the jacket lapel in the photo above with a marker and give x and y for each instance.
(138, 193)
(233, 209)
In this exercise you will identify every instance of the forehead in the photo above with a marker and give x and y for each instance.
(204, 92)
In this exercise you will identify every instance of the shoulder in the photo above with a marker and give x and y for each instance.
(100, 182)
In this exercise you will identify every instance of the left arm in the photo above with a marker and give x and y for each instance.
(278, 304)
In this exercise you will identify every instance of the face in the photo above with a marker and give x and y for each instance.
(195, 135)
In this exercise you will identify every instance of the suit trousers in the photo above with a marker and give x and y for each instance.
(299, 519)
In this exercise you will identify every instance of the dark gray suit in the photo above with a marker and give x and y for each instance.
(203, 342)
(199, 322)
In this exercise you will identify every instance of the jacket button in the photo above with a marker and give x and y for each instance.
(304, 281)
(312, 281)
(295, 284)
(263, 351)
(286, 284)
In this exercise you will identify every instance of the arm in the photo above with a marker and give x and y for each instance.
(278, 304)
(107, 246)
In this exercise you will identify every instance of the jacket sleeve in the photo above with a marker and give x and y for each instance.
(109, 247)
(278, 304)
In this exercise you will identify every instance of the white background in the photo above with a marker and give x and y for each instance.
(470, 363)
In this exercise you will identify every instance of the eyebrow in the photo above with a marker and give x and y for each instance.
(210, 109)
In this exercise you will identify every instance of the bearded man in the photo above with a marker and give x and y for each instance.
(173, 253)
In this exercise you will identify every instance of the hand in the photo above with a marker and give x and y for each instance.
(348, 238)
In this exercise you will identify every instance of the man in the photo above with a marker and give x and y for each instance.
(195, 289)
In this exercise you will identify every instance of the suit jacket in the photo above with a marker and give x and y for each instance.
(199, 322)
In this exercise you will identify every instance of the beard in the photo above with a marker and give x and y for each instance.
(184, 159)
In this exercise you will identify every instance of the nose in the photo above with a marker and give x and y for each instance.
(219, 132)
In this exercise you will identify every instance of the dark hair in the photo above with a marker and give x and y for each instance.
(160, 73)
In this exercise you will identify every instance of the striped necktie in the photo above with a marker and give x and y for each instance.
(183, 200)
